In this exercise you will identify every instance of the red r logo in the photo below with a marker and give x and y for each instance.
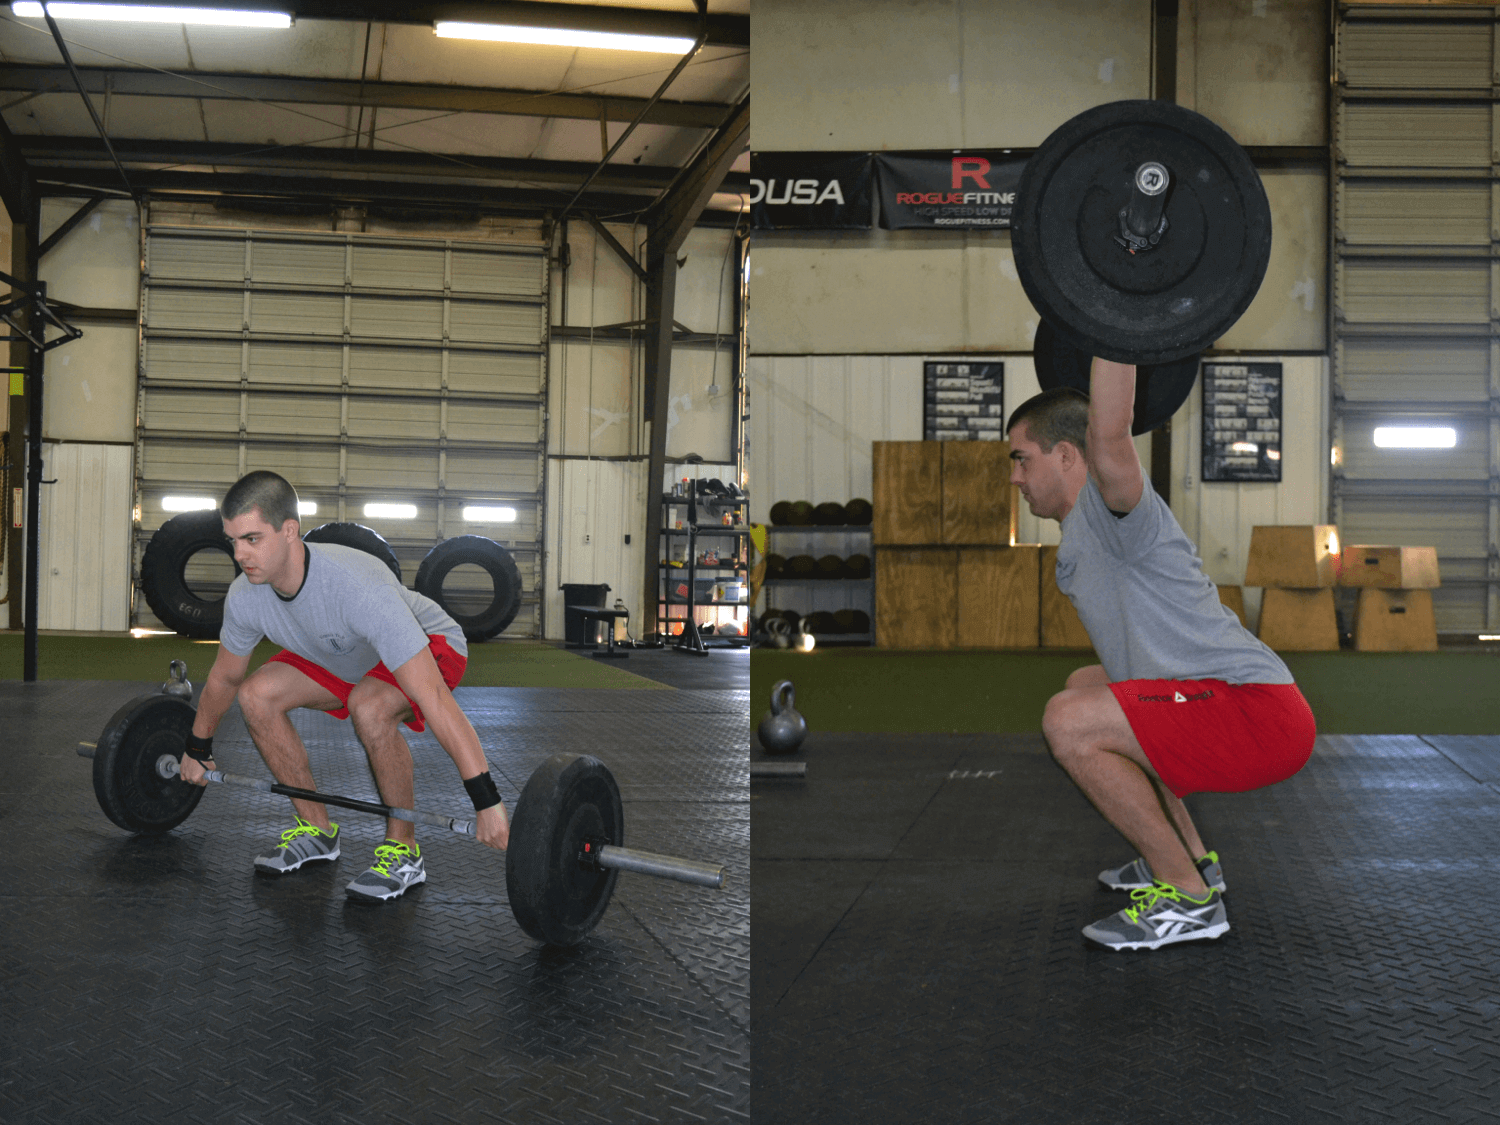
(970, 167)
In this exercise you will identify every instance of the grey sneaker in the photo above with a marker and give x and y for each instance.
(1161, 915)
(396, 867)
(299, 845)
(1137, 874)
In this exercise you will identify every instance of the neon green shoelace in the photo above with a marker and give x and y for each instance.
(302, 829)
(387, 854)
(1147, 897)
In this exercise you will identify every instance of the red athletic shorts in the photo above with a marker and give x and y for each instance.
(1206, 736)
(450, 664)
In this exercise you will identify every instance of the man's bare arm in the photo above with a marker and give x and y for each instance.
(423, 683)
(1112, 458)
(219, 690)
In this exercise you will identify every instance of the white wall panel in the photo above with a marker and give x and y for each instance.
(1220, 516)
(85, 538)
(923, 74)
(887, 292)
(1290, 309)
(89, 393)
(593, 506)
(1258, 68)
(97, 263)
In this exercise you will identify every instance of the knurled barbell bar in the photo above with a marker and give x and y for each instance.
(566, 832)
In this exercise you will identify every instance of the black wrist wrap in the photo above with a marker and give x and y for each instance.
(199, 749)
(482, 791)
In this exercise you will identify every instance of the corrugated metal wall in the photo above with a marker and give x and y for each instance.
(363, 368)
(1416, 294)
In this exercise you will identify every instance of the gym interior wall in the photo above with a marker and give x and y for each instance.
(597, 438)
(842, 320)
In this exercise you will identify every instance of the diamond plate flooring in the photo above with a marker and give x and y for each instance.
(916, 908)
(158, 979)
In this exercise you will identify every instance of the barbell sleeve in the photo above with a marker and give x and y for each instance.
(662, 866)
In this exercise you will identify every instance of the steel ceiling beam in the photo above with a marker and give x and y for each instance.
(65, 154)
(320, 190)
(122, 82)
(18, 188)
(672, 216)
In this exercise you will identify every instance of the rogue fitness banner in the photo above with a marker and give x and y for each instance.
(962, 190)
(810, 191)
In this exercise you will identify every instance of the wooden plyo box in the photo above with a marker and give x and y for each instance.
(1299, 620)
(1061, 626)
(908, 492)
(998, 596)
(1390, 568)
(1395, 621)
(1293, 557)
(1234, 598)
(916, 597)
(979, 502)
(945, 597)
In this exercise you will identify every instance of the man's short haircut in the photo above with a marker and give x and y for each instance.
(271, 493)
(1061, 414)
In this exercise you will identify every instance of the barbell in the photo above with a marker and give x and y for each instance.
(567, 830)
(1141, 233)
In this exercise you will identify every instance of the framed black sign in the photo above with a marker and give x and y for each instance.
(811, 191)
(963, 400)
(947, 191)
(1241, 421)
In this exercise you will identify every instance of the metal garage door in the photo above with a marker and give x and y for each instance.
(366, 370)
(1415, 294)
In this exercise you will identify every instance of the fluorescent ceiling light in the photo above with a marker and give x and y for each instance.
(188, 503)
(1489, 637)
(307, 507)
(481, 514)
(562, 37)
(392, 511)
(1416, 437)
(143, 13)
(1244, 447)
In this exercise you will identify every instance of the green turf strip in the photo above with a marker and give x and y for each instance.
(855, 689)
(496, 664)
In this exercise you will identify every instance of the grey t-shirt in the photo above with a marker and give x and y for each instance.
(1152, 613)
(350, 615)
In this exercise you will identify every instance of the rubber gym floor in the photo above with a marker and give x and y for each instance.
(157, 979)
(917, 902)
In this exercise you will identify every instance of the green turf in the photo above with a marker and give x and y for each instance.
(499, 664)
(862, 689)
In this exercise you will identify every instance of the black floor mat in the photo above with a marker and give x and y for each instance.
(916, 954)
(160, 980)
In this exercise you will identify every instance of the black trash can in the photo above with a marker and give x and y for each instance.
(578, 632)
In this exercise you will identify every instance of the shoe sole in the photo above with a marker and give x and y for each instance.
(364, 896)
(1209, 933)
(267, 869)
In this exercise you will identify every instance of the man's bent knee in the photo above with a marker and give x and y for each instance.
(374, 708)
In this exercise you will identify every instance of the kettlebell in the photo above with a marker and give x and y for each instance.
(178, 683)
(783, 729)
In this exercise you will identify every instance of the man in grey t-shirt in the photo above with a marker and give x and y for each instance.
(356, 644)
(1184, 699)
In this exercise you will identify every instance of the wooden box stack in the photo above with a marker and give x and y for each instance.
(1297, 566)
(948, 573)
(1395, 597)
